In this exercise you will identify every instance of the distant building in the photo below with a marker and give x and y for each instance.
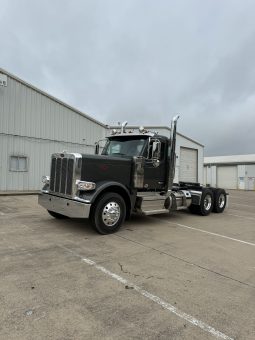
(230, 172)
(34, 124)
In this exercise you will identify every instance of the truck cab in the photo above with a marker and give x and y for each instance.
(133, 174)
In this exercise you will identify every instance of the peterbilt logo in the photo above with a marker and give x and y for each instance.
(103, 167)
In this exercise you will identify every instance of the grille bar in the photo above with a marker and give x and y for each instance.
(62, 175)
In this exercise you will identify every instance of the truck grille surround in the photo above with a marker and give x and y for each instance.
(65, 170)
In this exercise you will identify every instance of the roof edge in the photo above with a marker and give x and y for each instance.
(230, 159)
(51, 97)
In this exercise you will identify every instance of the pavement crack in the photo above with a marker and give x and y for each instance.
(188, 262)
(136, 275)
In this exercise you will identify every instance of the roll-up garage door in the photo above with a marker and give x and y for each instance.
(188, 165)
(227, 177)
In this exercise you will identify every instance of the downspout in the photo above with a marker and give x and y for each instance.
(172, 155)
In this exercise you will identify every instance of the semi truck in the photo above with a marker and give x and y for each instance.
(133, 173)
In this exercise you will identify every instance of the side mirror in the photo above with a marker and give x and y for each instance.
(97, 149)
(156, 148)
(98, 145)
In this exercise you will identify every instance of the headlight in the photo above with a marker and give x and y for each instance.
(82, 185)
(46, 179)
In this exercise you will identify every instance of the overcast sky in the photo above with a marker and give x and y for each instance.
(142, 61)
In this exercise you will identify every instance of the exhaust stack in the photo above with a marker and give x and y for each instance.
(172, 156)
(123, 126)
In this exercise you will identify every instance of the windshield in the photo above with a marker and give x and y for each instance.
(124, 147)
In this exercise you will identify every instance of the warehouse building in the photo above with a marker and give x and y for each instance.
(230, 172)
(34, 124)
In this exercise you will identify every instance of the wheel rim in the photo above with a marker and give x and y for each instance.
(111, 214)
(221, 201)
(207, 202)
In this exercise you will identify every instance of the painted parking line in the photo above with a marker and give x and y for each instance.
(241, 216)
(243, 205)
(170, 308)
(205, 231)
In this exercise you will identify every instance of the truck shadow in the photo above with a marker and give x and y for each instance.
(135, 222)
(73, 225)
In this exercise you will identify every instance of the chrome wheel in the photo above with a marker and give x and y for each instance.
(207, 202)
(111, 213)
(221, 201)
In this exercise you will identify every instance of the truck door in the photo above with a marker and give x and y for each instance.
(154, 173)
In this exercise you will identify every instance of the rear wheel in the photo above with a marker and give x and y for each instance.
(220, 200)
(206, 204)
(56, 215)
(109, 213)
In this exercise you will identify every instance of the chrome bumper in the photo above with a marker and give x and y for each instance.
(64, 206)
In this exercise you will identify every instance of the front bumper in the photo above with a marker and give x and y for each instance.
(66, 207)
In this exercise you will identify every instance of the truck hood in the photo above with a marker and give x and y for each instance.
(97, 168)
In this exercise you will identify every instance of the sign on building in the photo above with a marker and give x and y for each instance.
(3, 79)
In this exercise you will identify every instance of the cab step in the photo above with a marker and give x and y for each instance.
(151, 203)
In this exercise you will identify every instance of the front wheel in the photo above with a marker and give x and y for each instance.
(108, 213)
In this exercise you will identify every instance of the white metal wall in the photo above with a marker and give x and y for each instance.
(27, 112)
(35, 125)
(250, 176)
(39, 156)
(239, 176)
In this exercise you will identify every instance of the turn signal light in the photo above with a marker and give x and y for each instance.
(86, 186)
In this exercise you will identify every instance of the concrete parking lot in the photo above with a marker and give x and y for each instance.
(177, 276)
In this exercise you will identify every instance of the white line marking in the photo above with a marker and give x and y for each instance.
(247, 217)
(214, 234)
(195, 322)
(244, 205)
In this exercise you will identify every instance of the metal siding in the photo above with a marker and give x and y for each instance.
(26, 112)
(39, 156)
(188, 164)
(250, 177)
(205, 176)
(44, 126)
(227, 177)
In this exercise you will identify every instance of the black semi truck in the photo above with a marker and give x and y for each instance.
(133, 174)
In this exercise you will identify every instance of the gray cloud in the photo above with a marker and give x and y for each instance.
(143, 61)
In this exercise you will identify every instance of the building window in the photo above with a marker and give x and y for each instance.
(18, 163)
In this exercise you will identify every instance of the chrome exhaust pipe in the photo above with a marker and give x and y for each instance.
(172, 156)
(123, 125)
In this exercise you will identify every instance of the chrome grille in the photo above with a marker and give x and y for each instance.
(62, 174)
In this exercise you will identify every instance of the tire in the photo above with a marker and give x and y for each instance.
(206, 204)
(108, 213)
(56, 215)
(220, 200)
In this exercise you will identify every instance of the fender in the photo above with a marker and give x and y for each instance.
(103, 186)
